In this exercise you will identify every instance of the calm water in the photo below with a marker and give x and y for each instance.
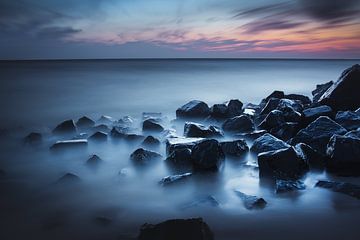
(38, 95)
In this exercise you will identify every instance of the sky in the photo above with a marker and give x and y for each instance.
(61, 29)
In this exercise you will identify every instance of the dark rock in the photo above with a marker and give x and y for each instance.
(179, 156)
(66, 127)
(207, 154)
(33, 138)
(85, 122)
(234, 108)
(174, 178)
(142, 156)
(193, 110)
(274, 119)
(94, 161)
(287, 103)
(234, 148)
(353, 133)
(106, 120)
(151, 125)
(291, 115)
(238, 124)
(219, 111)
(348, 119)
(252, 135)
(151, 141)
(285, 131)
(101, 128)
(275, 94)
(98, 136)
(198, 130)
(305, 100)
(313, 158)
(69, 178)
(283, 186)
(116, 134)
(80, 136)
(282, 164)
(125, 121)
(268, 142)
(311, 114)
(177, 229)
(251, 202)
(318, 133)
(358, 111)
(271, 105)
(320, 90)
(343, 94)
(69, 144)
(180, 143)
(349, 189)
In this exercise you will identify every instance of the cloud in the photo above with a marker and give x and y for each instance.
(57, 32)
(270, 24)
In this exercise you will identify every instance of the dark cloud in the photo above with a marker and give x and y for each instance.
(270, 24)
(57, 32)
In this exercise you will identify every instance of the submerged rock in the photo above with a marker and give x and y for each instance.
(142, 156)
(208, 200)
(177, 229)
(94, 161)
(283, 186)
(219, 111)
(152, 125)
(180, 156)
(349, 189)
(234, 108)
(305, 100)
(268, 142)
(193, 110)
(320, 90)
(98, 136)
(348, 119)
(311, 114)
(69, 144)
(85, 122)
(251, 202)
(33, 138)
(234, 148)
(151, 141)
(239, 124)
(68, 178)
(192, 129)
(207, 154)
(106, 120)
(66, 127)
(174, 178)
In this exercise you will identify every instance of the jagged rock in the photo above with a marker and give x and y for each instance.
(291, 115)
(234, 108)
(239, 124)
(251, 202)
(252, 135)
(348, 119)
(101, 128)
(349, 189)
(177, 229)
(151, 141)
(311, 114)
(69, 144)
(268, 142)
(343, 94)
(33, 138)
(142, 156)
(353, 133)
(174, 178)
(94, 161)
(192, 129)
(318, 133)
(193, 110)
(313, 158)
(80, 136)
(271, 105)
(287, 103)
(151, 125)
(207, 154)
(283, 186)
(66, 127)
(106, 120)
(181, 142)
(234, 148)
(285, 131)
(85, 122)
(219, 111)
(98, 136)
(320, 90)
(203, 200)
(116, 134)
(282, 164)
(69, 178)
(305, 100)
(275, 94)
(180, 156)
(125, 121)
(274, 119)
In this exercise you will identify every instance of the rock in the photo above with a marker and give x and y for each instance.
(234, 108)
(283, 186)
(344, 154)
(177, 229)
(348, 119)
(349, 189)
(106, 120)
(66, 127)
(151, 141)
(287, 103)
(311, 114)
(204, 200)
(275, 94)
(116, 134)
(151, 125)
(285, 131)
(80, 136)
(180, 156)
(271, 105)
(274, 119)
(219, 111)
(151, 115)
(252, 135)
(119, 135)
(69, 178)
(98, 136)
(207, 154)
(318, 133)
(291, 115)
(125, 121)
(85, 122)
(353, 133)
(33, 138)
(192, 129)
(193, 110)
(313, 158)
(358, 111)
(180, 143)
(101, 128)
(94, 161)
(268, 142)
(282, 164)
(174, 179)
(143, 157)
(69, 144)
(343, 94)
(251, 202)
(320, 90)
(305, 100)
(234, 148)
(238, 124)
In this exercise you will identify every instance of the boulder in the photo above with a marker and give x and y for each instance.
(282, 164)
(192, 129)
(193, 110)
(283, 186)
(142, 157)
(285, 131)
(239, 124)
(98, 136)
(320, 90)
(101, 128)
(276, 94)
(251, 202)
(180, 156)
(234, 148)
(219, 111)
(132, 137)
(94, 161)
(69, 144)
(66, 127)
(85, 122)
(311, 114)
(288, 103)
(342, 95)
(174, 179)
(68, 178)
(353, 133)
(106, 120)
(268, 142)
(33, 138)
(177, 229)
(305, 100)
(348, 119)
(125, 121)
(234, 108)
(151, 125)
(313, 158)
(271, 104)
(274, 119)
(251, 135)
(151, 141)
(180, 143)
(291, 115)
(349, 189)
(318, 133)
(207, 154)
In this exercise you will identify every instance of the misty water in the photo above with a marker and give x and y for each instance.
(37, 95)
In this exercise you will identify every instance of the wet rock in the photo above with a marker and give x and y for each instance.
(151, 125)
(268, 142)
(151, 141)
(33, 138)
(318, 133)
(274, 119)
(313, 158)
(251, 135)
(288, 103)
(320, 90)
(125, 121)
(234, 108)
(66, 127)
(192, 129)
(349, 189)
(180, 143)
(285, 131)
(348, 119)
(193, 110)
(132, 137)
(106, 120)
(69, 144)
(68, 178)
(142, 156)
(219, 111)
(282, 164)
(311, 114)
(239, 124)
(116, 134)
(80, 136)
(251, 202)
(234, 148)
(305, 100)
(343, 94)
(275, 94)
(177, 229)
(94, 161)
(271, 105)
(101, 128)
(283, 186)
(291, 115)
(174, 179)
(207, 154)
(353, 133)
(98, 136)
(85, 122)
(180, 156)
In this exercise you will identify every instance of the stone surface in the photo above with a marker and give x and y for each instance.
(239, 124)
(349, 189)
(271, 105)
(234, 148)
(142, 157)
(192, 129)
(101, 128)
(152, 125)
(66, 127)
(275, 94)
(251, 135)
(268, 142)
(219, 111)
(274, 119)
(234, 108)
(94, 161)
(85, 122)
(288, 103)
(353, 133)
(305, 100)
(283, 186)
(348, 119)
(98, 136)
(251, 202)
(207, 154)
(313, 158)
(180, 156)
(107, 120)
(285, 131)
(69, 144)
(193, 110)
(311, 114)
(320, 90)
(180, 142)
(151, 141)
(174, 179)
